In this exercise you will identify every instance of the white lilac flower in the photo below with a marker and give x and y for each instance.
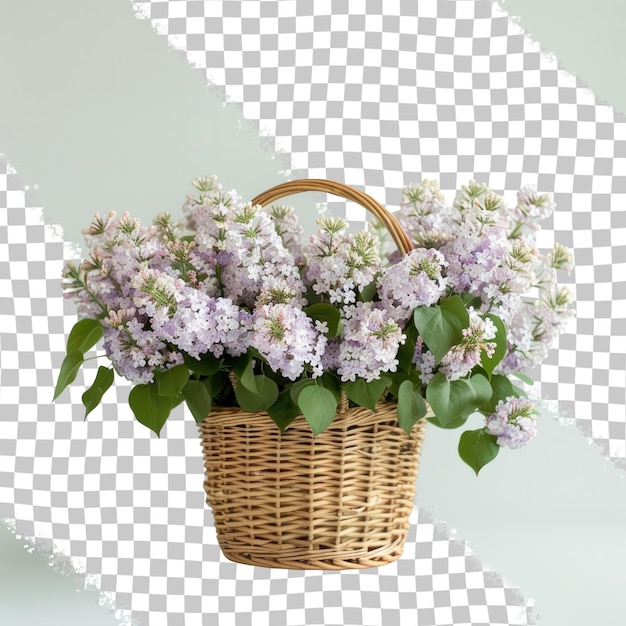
(416, 280)
(369, 343)
(288, 339)
(340, 266)
(532, 207)
(463, 357)
(422, 210)
(532, 328)
(480, 207)
(156, 291)
(561, 258)
(287, 226)
(286, 288)
(212, 209)
(240, 250)
(100, 230)
(239, 267)
(513, 422)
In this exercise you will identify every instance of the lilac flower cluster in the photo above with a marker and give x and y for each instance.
(417, 279)
(369, 343)
(288, 340)
(424, 360)
(234, 277)
(162, 290)
(339, 265)
(489, 251)
(512, 422)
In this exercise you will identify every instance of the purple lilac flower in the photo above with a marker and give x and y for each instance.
(190, 319)
(288, 339)
(331, 356)
(475, 261)
(512, 422)
(134, 351)
(424, 361)
(369, 343)
(119, 248)
(416, 280)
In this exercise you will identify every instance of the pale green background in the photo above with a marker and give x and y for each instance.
(100, 114)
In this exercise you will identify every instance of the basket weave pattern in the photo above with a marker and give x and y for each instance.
(340, 500)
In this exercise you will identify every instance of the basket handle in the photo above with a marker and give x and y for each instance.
(344, 191)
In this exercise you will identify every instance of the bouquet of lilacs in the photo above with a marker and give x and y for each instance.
(231, 308)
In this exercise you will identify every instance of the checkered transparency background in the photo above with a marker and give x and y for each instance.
(377, 97)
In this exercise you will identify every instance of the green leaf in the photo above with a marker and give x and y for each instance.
(325, 313)
(150, 409)
(207, 365)
(411, 406)
(178, 400)
(369, 292)
(332, 382)
(93, 395)
(441, 326)
(198, 395)
(405, 355)
(397, 378)
(84, 335)
(471, 300)
(69, 369)
(319, 406)
(457, 422)
(477, 448)
(482, 389)
(172, 381)
(364, 393)
(450, 399)
(283, 411)
(242, 366)
(502, 388)
(525, 379)
(260, 400)
(298, 386)
(489, 364)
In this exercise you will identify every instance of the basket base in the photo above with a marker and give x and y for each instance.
(276, 560)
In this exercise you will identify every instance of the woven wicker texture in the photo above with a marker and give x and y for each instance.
(340, 500)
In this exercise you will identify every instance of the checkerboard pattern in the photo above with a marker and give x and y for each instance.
(376, 96)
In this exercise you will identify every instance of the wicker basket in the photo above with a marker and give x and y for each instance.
(340, 500)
